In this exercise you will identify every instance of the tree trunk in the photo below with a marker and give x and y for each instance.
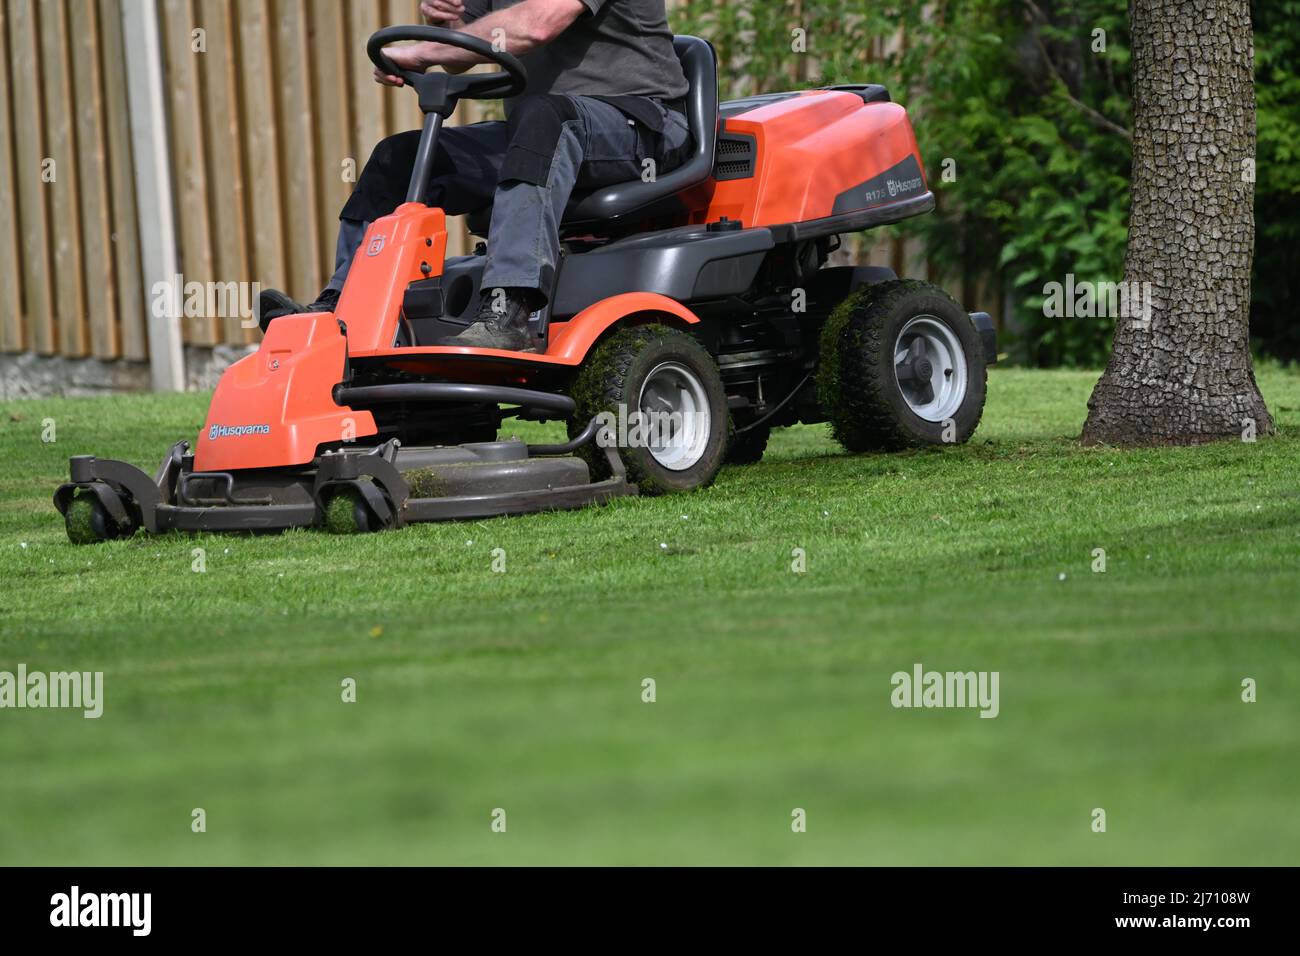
(1182, 372)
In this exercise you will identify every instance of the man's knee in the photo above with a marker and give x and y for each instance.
(392, 156)
(382, 185)
(535, 128)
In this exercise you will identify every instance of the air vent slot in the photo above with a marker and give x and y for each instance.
(736, 156)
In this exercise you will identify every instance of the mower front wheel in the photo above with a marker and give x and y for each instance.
(665, 408)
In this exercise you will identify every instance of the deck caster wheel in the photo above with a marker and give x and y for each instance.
(88, 521)
(346, 512)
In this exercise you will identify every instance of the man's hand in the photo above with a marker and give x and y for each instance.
(525, 26)
(443, 12)
(415, 56)
(421, 56)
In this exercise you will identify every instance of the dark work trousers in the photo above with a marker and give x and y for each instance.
(526, 168)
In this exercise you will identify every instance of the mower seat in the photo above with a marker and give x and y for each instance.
(638, 200)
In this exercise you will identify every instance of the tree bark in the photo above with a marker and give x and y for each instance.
(1182, 374)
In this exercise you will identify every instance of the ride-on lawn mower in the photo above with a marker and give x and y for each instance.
(701, 295)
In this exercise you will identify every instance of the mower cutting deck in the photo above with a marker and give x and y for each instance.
(348, 490)
(699, 301)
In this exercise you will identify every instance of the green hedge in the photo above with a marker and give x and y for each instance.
(1024, 106)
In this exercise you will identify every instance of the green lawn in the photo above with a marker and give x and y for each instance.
(522, 690)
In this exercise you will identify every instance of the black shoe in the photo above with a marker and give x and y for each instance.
(327, 301)
(506, 329)
(272, 304)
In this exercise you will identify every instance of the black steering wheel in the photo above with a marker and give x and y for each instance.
(439, 91)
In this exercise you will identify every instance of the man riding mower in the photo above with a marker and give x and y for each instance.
(604, 103)
(693, 292)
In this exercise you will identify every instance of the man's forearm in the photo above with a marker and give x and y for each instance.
(518, 30)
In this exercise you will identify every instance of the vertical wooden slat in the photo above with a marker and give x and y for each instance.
(391, 17)
(401, 108)
(189, 169)
(330, 107)
(222, 132)
(132, 308)
(301, 211)
(65, 192)
(33, 194)
(370, 122)
(93, 180)
(12, 338)
(262, 145)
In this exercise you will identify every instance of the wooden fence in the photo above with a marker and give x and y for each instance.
(270, 112)
(271, 115)
(69, 268)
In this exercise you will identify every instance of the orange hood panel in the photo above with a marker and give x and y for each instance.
(275, 407)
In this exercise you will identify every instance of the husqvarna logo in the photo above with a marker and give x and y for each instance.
(376, 246)
(898, 187)
(236, 431)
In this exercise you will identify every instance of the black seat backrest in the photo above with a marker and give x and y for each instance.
(641, 200)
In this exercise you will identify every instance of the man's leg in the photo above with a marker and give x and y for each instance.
(465, 169)
(351, 234)
(555, 143)
(464, 177)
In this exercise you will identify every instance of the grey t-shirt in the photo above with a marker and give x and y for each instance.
(616, 48)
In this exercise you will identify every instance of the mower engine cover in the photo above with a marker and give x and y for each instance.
(812, 156)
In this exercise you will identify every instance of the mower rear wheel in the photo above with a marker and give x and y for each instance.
(901, 366)
(88, 521)
(746, 448)
(672, 381)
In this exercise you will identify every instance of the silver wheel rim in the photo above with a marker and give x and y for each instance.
(675, 410)
(927, 345)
